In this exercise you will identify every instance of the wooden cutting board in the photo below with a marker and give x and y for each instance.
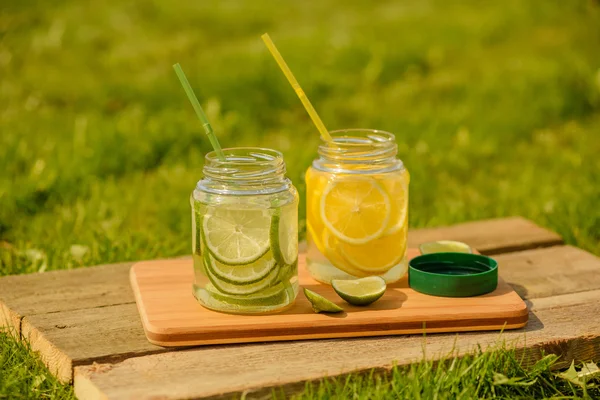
(171, 316)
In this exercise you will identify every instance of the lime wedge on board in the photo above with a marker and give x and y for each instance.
(360, 292)
(320, 303)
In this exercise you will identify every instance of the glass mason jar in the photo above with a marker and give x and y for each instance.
(245, 233)
(357, 208)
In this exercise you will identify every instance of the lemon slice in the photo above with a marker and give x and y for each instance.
(332, 252)
(237, 236)
(377, 256)
(444, 246)
(397, 272)
(397, 190)
(355, 210)
(316, 181)
(360, 292)
(314, 237)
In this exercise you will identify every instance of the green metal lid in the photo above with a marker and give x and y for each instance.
(453, 274)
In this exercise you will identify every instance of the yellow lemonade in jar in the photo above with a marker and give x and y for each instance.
(357, 208)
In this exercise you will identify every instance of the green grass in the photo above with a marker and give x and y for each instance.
(483, 375)
(23, 376)
(496, 107)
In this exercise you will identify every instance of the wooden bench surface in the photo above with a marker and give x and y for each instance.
(85, 324)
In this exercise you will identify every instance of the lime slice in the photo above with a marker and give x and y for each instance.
(199, 267)
(236, 288)
(284, 236)
(196, 227)
(355, 210)
(320, 303)
(272, 299)
(288, 271)
(237, 236)
(444, 246)
(244, 274)
(263, 297)
(360, 292)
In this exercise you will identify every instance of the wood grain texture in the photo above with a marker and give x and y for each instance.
(550, 272)
(59, 363)
(492, 236)
(55, 291)
(172, 317)
(569, 299)
(84, 338)
(220, 370)
(69, 338)
(99, 304)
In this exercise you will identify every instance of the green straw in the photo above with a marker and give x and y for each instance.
(199, 111)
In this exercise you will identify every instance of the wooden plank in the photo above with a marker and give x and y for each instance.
(95, 322)
(70, 338)
(569, 299)
(550, 272)
(221, 370)
(492, 236)
(98, 291)
(56, 291)
(172, 317)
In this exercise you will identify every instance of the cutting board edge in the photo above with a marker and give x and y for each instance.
(513, 318)
(497, 328)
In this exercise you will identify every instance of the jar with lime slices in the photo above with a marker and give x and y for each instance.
(245, 233)
(357, 208)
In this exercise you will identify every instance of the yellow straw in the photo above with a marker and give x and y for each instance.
(290, 77)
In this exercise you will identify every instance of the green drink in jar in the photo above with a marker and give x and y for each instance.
(245, 233)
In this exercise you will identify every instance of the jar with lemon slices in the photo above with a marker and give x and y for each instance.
(357, 208)
(245, 233)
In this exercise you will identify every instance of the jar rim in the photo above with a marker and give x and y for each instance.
(245, 155)
(371, 137)
(357, 151)
(245, 170)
